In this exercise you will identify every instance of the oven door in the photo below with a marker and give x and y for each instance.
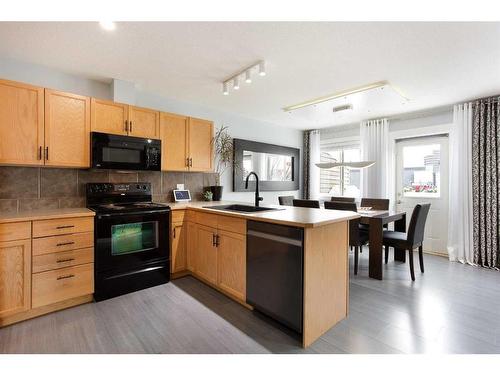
(111, 151)
(131, 240)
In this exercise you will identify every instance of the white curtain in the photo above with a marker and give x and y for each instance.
(460, 246)
(314, 157)
(375, 147)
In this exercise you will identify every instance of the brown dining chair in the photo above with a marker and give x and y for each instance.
(286, 200)
(357, 237)
(376, 204)
(342, 199)
(411, 240)
(309, 203)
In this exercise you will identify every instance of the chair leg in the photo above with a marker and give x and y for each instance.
(386, 248)
(356, 248)
(412, 271)
(421, 258)
(361, 249)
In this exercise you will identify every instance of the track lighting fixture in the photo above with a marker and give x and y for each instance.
(247, 73)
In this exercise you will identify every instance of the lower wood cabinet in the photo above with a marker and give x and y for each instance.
(179, 238)
(231, 263)
(191, 246)
(205, 253)
(15, 277)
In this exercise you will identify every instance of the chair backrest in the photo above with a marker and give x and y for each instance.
(310, 203)
(343, 199)
(375, 203)
(417, 224)
(286, 200)
(342, 206)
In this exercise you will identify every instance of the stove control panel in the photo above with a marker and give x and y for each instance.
(132, 188)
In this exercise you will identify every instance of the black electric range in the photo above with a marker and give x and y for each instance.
(131, 245)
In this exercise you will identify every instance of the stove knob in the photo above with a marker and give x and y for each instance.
(144, 187)
(138, 187)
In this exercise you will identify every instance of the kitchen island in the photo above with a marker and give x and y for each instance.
(211, 245)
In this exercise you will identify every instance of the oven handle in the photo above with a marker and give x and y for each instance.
(134, 213)
(135, 272)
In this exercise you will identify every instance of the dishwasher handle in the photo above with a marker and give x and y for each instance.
(274, 237)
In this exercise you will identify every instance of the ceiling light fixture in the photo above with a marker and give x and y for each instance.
(107, 25)
(248, 78)
(246, 73)
(352, 164)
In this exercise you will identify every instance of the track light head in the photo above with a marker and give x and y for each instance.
(248, 78)
(236, 83)
(225, 91)
(262, 69)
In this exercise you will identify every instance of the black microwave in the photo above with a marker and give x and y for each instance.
(110, 151)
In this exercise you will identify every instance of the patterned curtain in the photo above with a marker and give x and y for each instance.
(486, 181)
(306, 160)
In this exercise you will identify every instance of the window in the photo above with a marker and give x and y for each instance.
(421, 170)
(340, 181)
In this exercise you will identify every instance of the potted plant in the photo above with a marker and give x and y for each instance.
(223, 149)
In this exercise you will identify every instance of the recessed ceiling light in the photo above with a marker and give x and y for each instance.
(107, 25)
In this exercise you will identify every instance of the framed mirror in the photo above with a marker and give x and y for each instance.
(277, 166)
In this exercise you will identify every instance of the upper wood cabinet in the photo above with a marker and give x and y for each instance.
(122, 119)
(200, 145)
(21, 123)
(67, 129)
(143, 122)
(15, 277)
(186, 143)
(109, 117)
(173, 135)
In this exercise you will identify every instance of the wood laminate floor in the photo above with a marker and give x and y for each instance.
(452, 308)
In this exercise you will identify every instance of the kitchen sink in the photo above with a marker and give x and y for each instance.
(242, 208)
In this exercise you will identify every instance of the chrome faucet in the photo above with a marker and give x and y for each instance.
(257, 198)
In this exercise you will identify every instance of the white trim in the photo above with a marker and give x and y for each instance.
(424, 131)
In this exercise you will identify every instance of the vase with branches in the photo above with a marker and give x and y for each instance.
(222, 144)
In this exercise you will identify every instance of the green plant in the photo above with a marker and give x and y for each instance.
(207, 195)
(224, 150)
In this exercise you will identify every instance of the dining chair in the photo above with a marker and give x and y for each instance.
(310, 203)
(342, 199)
(286, 200)
(375, 203)
(357, 237)
(411, 240)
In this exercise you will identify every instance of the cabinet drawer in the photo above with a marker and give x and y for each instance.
(59, 285)
(190, 216)
(57, 244)
(63, 259)
(53, 227)
(178, 215)
(232, 224)
(210, 220)
(15, 231)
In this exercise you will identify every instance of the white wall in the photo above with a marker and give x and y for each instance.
(239, 127)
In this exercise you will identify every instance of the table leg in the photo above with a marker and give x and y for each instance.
(400, 226)
(375, 255)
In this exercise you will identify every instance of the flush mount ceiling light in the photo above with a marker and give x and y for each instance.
(259, 67)
(107, 25)
(340, 94)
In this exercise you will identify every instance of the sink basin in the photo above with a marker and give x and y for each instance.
(241, 208)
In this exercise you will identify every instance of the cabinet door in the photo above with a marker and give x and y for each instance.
(67, 129)
(200, 135)
(178, 256)
(191, 246)
(108, 117)
(15, 277)
(173, 135)
(206, 254)
(231, 264)
(21, 123)
(144, 122)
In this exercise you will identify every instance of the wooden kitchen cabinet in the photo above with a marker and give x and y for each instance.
(21, 123)
(173, 135)
(231, 263)
(15, 277)
(200, 144)
(143, 122)
(67, 130)
(179, 254)
(109, 117)
(206, 254)
(191, 245)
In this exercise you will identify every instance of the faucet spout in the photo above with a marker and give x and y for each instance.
(257, 197)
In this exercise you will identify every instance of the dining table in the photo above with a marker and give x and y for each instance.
(376, 219)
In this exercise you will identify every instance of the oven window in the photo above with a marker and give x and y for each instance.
(134, 237)
(120, 155)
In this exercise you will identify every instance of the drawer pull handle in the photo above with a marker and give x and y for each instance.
(65, 277)
(65, 226)
(66, 243)
(65, 260)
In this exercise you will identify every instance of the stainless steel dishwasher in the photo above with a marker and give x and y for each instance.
(275, 259)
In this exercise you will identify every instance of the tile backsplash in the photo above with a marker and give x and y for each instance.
(29, 188)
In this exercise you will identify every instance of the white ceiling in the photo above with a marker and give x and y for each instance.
(432, 64)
